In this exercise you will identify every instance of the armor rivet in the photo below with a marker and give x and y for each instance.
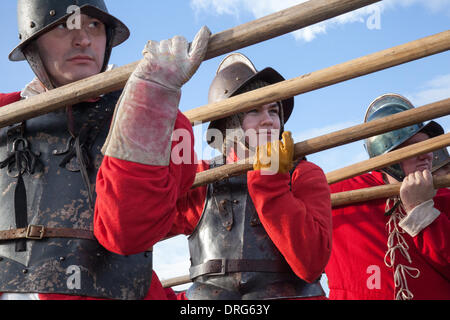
(62, 258)
(237, 78)
(32, 24)
(52, 12)
(24, 271)
(226, 91)
(235, 201)
(99, 255)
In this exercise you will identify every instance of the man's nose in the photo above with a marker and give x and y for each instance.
(81, 38)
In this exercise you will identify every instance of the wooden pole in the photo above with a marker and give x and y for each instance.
(337, 138)
(379, 192)
(259, 30)
(312, 81)
(173, 282)
(340, 199)
(389, 158)
(279, 23)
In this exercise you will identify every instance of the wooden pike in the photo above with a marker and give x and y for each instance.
(340, 199)
(271, 26)
(389, 158)
(379, 192)
(319, 79)
(337, 138)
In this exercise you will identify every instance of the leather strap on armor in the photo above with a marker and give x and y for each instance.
(38, 232)
(223, 266)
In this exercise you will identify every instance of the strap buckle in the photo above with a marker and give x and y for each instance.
(35, 232)
(223, 267)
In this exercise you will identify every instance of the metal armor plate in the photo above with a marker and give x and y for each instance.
(230, 229)
(57, 197)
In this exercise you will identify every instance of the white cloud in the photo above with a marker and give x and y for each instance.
(370, 15)
(433, 90)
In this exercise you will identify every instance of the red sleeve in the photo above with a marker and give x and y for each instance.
(298, 221)
(190, 208)
(7, 98)
(433, 242)
(136, 203)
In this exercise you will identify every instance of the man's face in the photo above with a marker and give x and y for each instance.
(71, 55)
(263, 121)
(417, 163)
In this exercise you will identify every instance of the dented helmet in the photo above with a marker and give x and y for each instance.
(387, 105)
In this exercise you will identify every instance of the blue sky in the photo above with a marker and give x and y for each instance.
(371, 29)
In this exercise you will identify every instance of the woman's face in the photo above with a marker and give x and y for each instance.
(264, 122)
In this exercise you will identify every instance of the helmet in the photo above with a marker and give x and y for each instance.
(386, 105)
(234, 75)
(440, 159)
(36, 17)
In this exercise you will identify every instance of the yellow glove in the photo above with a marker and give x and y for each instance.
(276, 156)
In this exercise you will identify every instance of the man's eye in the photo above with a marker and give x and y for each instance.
(95, 24)
(61, 26)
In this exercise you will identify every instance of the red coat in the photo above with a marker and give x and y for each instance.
(298, 221)
(356, 269)
(135, 205)
(7, 98)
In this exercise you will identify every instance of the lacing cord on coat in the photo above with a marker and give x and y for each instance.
(396, 242)
(21, 160)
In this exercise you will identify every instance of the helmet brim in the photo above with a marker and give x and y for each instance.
(432, 129)
(120, 30)
(270, 76)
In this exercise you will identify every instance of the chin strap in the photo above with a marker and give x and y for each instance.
(31, 53)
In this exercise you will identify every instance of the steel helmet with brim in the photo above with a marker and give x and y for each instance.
(386, 105)
(36, 17)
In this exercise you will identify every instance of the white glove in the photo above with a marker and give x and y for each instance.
(417, 193)
(146, 112)
(416, 188)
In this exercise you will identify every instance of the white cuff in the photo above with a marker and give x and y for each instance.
(419, 218)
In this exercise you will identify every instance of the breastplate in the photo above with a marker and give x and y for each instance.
(230, 234)
(58, 197)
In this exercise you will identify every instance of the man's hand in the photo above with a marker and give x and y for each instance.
(417, 188)
(145, 115)
(171, 63)
(276, 156)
